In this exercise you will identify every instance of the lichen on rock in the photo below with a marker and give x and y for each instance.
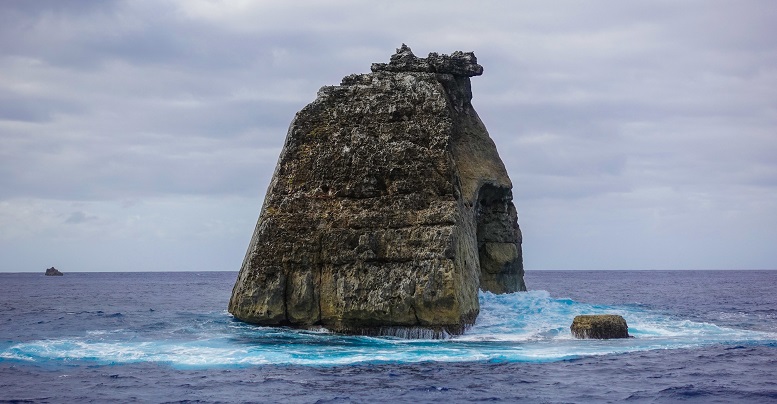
(388, 209)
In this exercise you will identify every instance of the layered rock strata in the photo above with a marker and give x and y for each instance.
(388, 209)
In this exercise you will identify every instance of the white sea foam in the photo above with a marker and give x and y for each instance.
(530, 326)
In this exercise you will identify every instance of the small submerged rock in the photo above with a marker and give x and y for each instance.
(600, 326)
(53, 272)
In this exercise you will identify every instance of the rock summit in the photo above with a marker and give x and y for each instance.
(388, 209)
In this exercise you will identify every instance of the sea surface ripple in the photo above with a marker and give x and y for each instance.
(130, 326)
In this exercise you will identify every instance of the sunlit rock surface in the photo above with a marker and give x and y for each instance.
(388, 209)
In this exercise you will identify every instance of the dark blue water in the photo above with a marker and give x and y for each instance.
(700, 336)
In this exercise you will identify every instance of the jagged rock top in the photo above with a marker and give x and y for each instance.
(458, 63)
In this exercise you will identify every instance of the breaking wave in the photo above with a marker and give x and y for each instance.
(519, 327)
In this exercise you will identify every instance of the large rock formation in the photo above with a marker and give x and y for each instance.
(388, 209)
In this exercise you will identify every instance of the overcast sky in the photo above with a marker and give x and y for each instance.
(141, 135)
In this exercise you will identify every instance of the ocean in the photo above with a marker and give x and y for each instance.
(698, 336)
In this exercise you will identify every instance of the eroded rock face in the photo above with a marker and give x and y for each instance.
(388, 209)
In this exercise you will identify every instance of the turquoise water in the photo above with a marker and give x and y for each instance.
(519, 327)
(699, 336)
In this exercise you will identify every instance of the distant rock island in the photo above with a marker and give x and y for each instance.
(53, 272)
(389, 208)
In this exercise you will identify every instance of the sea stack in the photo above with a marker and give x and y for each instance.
(53, 272)
(388, 209)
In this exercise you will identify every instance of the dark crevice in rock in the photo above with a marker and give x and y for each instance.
(286, 300)
(320, 268)
(500, 258)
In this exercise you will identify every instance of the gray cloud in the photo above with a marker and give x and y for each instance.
(79, 217)
(637, 124)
